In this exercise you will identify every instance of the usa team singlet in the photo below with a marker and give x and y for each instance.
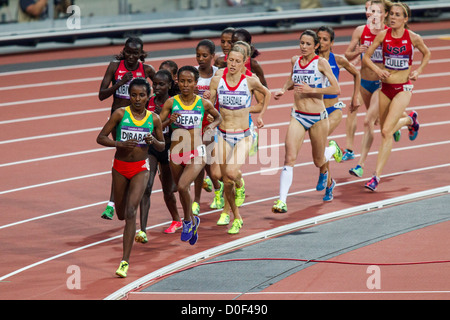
(367, 38)
(397, 52)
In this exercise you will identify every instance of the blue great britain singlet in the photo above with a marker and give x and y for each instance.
(335, 68)
(309, 74)
(130, 128)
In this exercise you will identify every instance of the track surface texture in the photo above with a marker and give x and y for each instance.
(55, 181)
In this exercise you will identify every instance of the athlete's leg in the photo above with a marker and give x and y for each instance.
(370, 119)
(293, 143)
(318, 134)
(169, 187)
(334, 119)
(145, 201)
(136, 189)
(390, 113)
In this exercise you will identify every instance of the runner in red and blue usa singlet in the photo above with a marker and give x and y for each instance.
(367, 38)
(397, 52)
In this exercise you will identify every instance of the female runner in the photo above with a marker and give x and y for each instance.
(225, 44)
(309, 114)
(205, 54)
(162, 83)
(224, 218)
(129, 64)
(362, 38)
(377, 12)
(187, 151)
(130, 172)
(234, 91)
(398, 45)
(332, 103)
(251, 64)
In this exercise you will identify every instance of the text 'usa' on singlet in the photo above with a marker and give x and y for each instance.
(308, 74)
(397, 52)
(234, 98)
(130, 128)
(191, 117)
(122, 91)
(367, 38)
(335, 68)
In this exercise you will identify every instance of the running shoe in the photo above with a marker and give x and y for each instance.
(255, 144)
(236, 226)
(329, 191)
(240, 194)
(338, 154)
(397, 135)
(224, 219)
(348, 155)
(373, 183)
(188, 231)
(356, 171)
(123, 269)
(194, 238)
(322, 182)
(141, 237)
(218, 201)
(195, 208)
(279, 207)
(414, 127)
(108, 214)
(174, 226)
(207, 184)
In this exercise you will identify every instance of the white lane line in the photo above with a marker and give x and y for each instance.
(209, 212)
(70, 154)
(192, 56)
(232, 245)
(98, 128)
(87, 176)
(91, 94)
(51, 135)
(56, 115)
(264, 171)
(71, 96)
(255, 172)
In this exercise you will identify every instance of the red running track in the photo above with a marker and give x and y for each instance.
(56, 179)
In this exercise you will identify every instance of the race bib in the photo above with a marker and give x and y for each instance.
(139, 134)
(232, 100)
(377, 55)
(396, 62)
(408, 87)
(122, 92)
(306, 76)
(189, 119)
(201, 149)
